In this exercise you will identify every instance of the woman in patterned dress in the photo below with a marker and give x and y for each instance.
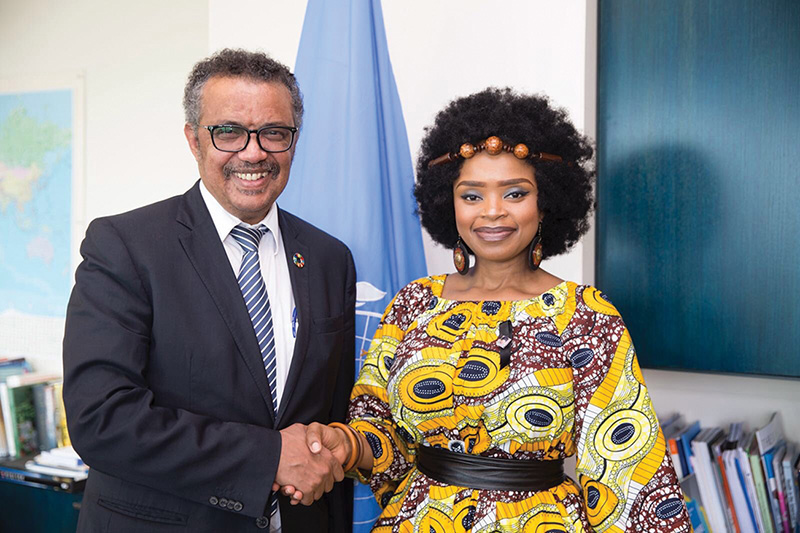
(506, 361)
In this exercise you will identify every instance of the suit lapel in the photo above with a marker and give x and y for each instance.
(302, 301)
(207, 255)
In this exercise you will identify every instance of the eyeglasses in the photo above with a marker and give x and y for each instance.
(228, 138)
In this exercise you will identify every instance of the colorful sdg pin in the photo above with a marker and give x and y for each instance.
(298, 260)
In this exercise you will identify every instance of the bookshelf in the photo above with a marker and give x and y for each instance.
(41, 503)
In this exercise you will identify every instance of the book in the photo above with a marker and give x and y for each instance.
(760, 482)
(790, 480)
(770, 438)
(5, 407)
(8, 368)
(735, 478)
(22, 420)
(723, 486)
(696, 517)
(684, 441)
(31, 378)
(796, 477)
(59, 471)
(745, 470)
(62, 434)
(736, 483)
(670, 436)
(771, 434)
(61, 457)
(3, 439)
(697, 514)
(45, 415)
(777, 460)
(666, 422)
(703, 464)
(11, 367)
(14, 471)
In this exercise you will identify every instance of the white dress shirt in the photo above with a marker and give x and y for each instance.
(275, 271)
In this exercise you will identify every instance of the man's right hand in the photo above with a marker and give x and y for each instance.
(310, 473)
(320, 436)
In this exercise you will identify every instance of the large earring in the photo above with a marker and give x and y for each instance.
(461, 257)
(535, 250)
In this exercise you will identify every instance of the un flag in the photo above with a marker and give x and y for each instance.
(352, 174)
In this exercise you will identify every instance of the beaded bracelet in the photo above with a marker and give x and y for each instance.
(355, 445)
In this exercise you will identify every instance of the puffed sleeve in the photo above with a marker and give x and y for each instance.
(392, 446)
(623, 465)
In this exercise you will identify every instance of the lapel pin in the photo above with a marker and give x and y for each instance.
(298, 260)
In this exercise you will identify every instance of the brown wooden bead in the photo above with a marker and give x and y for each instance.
(467, 150)
(494, 145)
(521, 151)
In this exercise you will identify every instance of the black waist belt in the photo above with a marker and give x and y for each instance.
(489, 473)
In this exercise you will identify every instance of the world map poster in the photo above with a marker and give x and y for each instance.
(35, 201)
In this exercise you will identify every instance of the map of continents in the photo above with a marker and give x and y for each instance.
(35, 202)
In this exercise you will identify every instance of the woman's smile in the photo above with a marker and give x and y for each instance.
(494, 233)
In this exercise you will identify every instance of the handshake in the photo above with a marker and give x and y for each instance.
(312, 459)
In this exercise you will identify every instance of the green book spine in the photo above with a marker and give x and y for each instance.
(761, 491)
(23, 414)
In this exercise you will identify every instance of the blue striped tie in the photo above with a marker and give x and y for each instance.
(257, 301)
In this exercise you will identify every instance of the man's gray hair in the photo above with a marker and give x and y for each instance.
(230, 62)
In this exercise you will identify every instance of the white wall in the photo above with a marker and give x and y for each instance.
(135, 57)
(441, 50)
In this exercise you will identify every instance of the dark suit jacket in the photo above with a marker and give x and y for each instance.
(165, 392)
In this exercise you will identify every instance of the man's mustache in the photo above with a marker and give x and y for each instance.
(269, 167)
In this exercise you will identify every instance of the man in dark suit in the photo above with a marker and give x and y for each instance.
(206, 330)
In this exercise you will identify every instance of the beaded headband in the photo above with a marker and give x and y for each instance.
(494, 145)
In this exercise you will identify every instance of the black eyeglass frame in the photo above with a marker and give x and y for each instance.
(292, 129)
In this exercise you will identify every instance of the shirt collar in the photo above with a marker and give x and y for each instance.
(224, 222)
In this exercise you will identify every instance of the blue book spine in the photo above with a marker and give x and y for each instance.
(743, 483)
(696, 517)
(685, 467)
(686, 442)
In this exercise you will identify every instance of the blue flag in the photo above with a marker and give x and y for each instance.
(352, 174)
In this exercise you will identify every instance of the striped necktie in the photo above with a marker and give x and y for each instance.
(257, 301)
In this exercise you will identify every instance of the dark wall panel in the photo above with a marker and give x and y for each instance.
(698, 218)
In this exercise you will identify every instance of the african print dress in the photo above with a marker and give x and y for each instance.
(573, 386)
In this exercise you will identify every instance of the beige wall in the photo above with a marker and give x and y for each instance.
(135, 56)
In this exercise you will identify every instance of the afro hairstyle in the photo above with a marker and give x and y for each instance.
(565, 193)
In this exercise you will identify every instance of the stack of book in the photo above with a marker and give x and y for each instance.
(32, 410)
(737, 480)
(62, 462)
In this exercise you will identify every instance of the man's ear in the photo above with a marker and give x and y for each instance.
(191, 138)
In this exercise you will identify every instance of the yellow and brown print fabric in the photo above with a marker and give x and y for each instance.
(433, 377)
